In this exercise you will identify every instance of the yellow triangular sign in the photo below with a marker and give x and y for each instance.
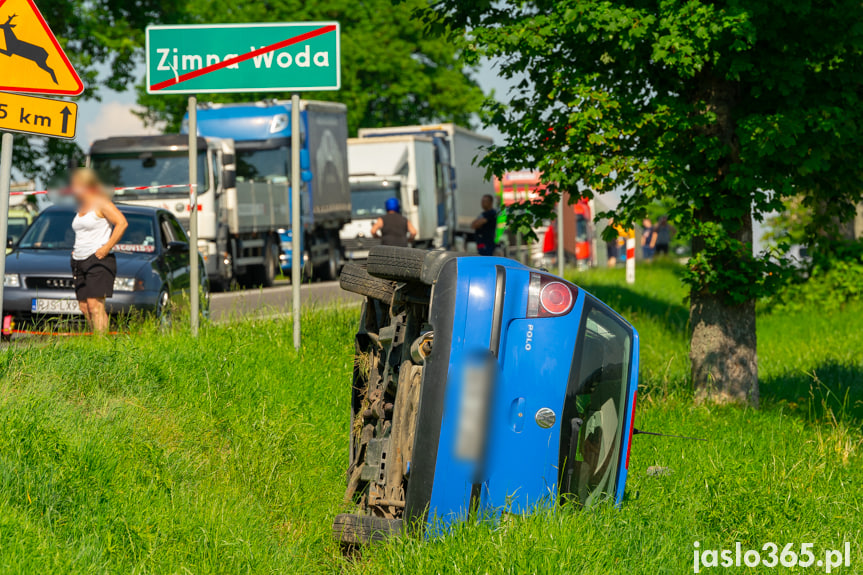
(31, 59)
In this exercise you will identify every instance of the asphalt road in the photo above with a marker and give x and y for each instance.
(275, 301)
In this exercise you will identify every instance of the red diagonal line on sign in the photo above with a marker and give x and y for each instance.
(243, 57)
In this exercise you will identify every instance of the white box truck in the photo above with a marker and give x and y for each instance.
(402, 167)
(461, 180)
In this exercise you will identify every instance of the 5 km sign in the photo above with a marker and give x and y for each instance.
(243, 58)
(41, 116)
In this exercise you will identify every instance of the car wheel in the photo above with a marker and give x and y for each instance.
(357, 280)
(163, 308)
(397, 264)
(362, 529)
(205, 300)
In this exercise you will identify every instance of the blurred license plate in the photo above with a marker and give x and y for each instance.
(43, 305)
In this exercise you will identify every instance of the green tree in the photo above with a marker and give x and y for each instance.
(393, 71)
(102, 39)
(721, 108)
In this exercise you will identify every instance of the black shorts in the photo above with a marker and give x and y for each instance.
(94, 278)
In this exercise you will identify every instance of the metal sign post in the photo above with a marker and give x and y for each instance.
(220, 58)
(5, 178)
(194, 288)
(561, 228)
(296, 225)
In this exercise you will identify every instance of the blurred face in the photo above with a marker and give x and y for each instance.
(487, 203)
(83, 188)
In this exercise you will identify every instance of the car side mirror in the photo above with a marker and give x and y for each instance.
(178, 248)
(229, 179)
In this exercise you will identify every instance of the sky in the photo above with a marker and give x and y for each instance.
(113, 115)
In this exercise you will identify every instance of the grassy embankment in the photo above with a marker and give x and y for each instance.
(154, 453)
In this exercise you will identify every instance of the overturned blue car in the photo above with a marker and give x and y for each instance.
(480, 386)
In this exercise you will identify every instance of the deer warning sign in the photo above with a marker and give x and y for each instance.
(31, 59)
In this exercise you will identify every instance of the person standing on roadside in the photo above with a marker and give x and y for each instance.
(98, 226)
(394, 228)
(647, 239)
(611, 247)
(486, 227)
(662, 236)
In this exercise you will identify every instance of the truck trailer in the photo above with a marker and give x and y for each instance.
(402, 167)
(262, 136)
(458, 175)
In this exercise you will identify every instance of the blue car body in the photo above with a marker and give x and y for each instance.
(506, 387)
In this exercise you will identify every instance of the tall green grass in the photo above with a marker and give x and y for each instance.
(155, 453)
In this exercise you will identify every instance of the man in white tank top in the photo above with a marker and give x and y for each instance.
(98, 226)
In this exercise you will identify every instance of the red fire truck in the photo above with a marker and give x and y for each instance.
(577, 221)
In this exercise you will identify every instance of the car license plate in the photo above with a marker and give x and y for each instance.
(63, 306)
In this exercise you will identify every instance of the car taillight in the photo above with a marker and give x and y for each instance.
(548, 296)
(631, 428)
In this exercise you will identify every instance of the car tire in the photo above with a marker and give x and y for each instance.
(357, 280)
(397, 264)
(352, 529)
(205, 300)
(163, 308)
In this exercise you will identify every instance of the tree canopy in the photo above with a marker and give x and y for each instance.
(102, 39)
(393, 71)
(723, 109)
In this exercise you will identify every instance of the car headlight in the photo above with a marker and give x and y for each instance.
(124, 284)
(11, 280)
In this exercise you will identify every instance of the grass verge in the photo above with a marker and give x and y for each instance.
(153, 453)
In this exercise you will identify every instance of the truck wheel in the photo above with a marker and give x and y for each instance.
(271, 263)
(397, 264)
(331, 268)
(357, 280)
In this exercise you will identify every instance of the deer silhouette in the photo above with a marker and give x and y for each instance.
(15, 47)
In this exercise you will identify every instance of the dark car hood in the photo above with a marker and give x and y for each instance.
(58, 262)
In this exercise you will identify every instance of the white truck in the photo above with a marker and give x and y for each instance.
(459, 182)
(237, 232)
(401, 167)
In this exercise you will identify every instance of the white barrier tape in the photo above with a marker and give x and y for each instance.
(126, 189)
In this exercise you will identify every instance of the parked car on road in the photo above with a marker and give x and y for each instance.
(481, 384)
(152, 267)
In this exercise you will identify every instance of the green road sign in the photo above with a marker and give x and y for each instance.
(243, 58)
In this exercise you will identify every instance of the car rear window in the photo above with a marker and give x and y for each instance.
(595, 409)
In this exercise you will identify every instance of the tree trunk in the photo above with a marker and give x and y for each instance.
(723, 347)
(723, 350)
